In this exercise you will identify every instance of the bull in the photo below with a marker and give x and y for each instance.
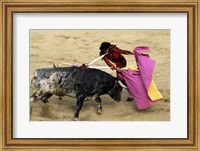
(78, 82)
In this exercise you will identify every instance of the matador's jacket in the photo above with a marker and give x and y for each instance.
(115, 55)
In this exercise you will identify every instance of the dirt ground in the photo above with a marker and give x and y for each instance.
(82, 46)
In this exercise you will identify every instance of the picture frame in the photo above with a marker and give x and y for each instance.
(9, 7)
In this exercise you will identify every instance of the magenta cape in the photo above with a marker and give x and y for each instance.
(138, 81)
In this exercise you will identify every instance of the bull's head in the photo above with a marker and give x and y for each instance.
(116, 91)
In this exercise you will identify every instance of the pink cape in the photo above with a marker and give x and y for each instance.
(138, 82)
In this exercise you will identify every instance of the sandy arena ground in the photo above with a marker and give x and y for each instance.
(82, 46)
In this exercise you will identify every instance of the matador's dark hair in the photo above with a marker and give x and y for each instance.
(104, 45)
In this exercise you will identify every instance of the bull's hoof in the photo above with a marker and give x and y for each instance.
(129, 99)
(60, 98)
(76, 119)
(99, 111)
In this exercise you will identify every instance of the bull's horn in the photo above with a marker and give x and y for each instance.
(55, 65)
(122, 85)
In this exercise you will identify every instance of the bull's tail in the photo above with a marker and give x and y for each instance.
(32, 101)
(31, 80)
(31, 106)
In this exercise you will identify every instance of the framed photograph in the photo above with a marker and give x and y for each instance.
(99, 75)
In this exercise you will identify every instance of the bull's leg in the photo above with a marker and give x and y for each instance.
(60, 97)
(45, 97)
(99, 106)
(38, 95)
(79, 104)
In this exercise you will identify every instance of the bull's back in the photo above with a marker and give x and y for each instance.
(94, 79)
(47, 72)
(96, 74)
(78, 71)
(81, 75)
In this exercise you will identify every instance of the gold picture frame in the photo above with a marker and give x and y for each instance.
(8, 7)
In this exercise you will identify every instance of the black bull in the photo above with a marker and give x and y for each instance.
(79, 82)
